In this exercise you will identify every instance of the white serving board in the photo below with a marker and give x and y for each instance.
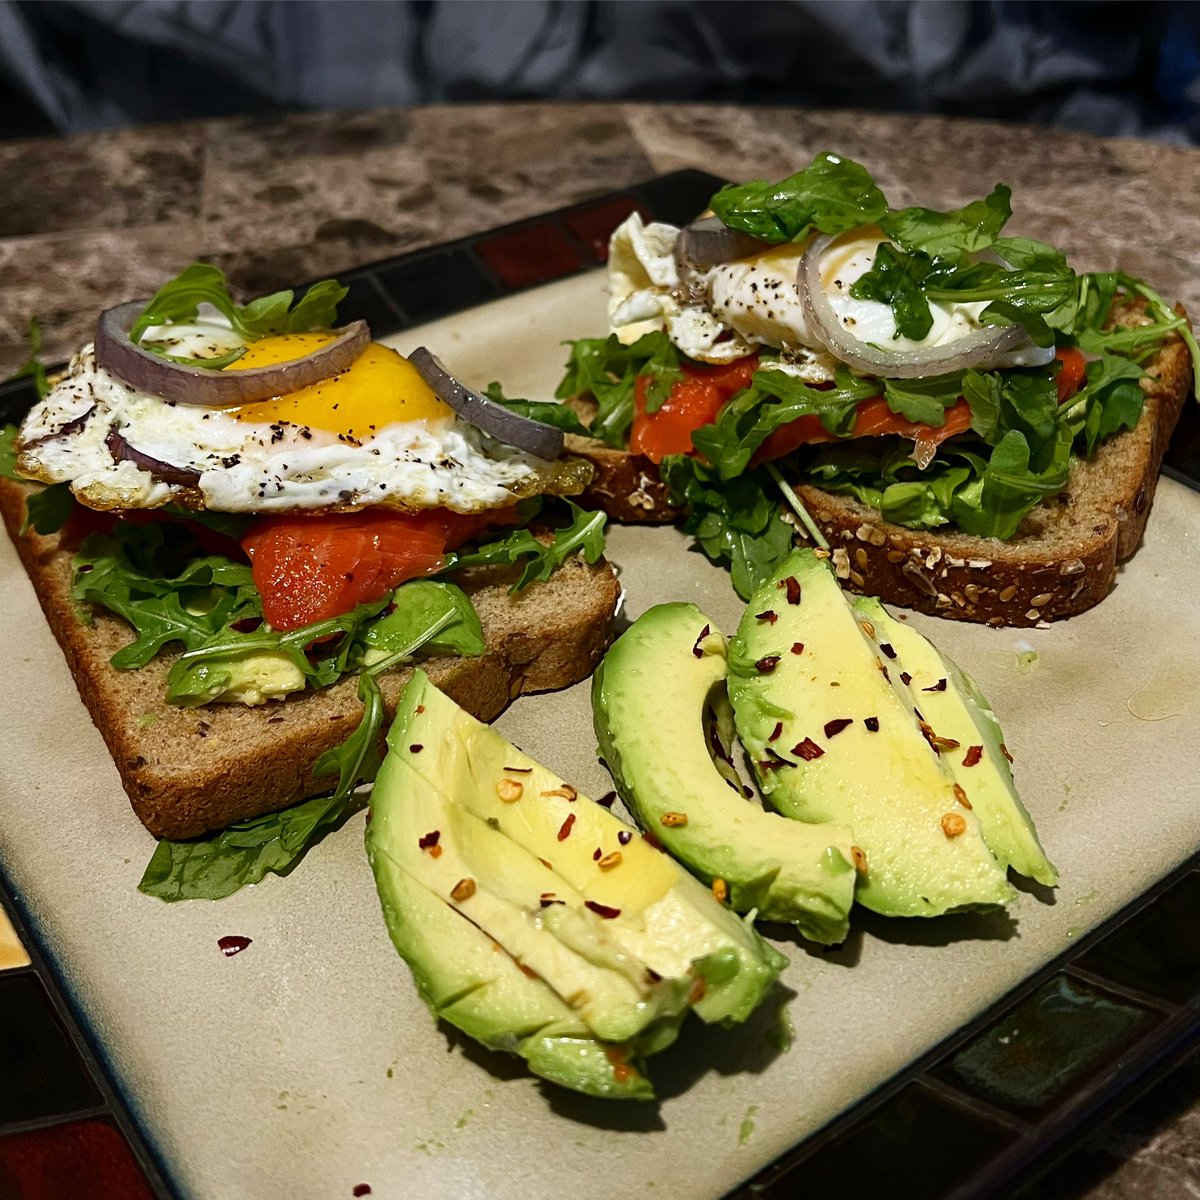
(307, 1064)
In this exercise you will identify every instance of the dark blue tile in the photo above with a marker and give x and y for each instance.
(434, 284)
(40, 1073)
(679, 197)
(917, 1145)
(1051, 1043)
(1158, 950)
(365, 302)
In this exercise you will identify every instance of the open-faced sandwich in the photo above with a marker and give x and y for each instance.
(222, 506)
(975, 429)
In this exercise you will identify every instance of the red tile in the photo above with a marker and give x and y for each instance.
(531, 255)
(594, 225)
(67, 1162)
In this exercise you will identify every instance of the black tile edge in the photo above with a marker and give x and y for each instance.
(1142, 1063)
(1182, 460)
(115, 1104)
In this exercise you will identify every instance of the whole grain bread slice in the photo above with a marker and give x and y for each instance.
(187, 771)
(1062, 561)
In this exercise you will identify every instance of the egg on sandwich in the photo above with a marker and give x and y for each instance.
(373, 433)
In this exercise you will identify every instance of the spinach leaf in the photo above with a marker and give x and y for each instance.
(736, 521)
(584, 533)
(831, 194)
(48, 509)
(952, 234)
(220, 863)
(202, 283)
(561, 416)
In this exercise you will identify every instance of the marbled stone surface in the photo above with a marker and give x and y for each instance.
(91, 221)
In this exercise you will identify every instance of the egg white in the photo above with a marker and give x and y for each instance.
(726, 311)
(250, 467)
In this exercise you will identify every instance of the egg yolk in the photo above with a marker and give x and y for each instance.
(379, 388)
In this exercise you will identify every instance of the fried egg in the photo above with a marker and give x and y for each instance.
(375, 434)
(726, 311)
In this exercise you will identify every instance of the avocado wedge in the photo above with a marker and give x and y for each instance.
(951, 702)
(834, 736)
(534, 919)
(653, 702)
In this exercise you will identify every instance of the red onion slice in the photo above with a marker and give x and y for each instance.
(211, 388)
(710, 241)
(122, 451)
(534, 437)
(982, 349)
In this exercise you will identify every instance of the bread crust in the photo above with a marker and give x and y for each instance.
(187, 771)
(1063, 560)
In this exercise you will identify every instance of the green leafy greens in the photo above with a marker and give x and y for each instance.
(201, 283)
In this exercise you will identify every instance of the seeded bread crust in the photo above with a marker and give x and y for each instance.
(190, 770)
(1062, 561)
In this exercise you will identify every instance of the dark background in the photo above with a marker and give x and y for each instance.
(70, 66)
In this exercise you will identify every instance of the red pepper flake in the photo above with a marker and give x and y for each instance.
(649, 837)
(622, 1071)
(767, 664)
(1004, 751)
(797, 647)
(940, 686)
(545, 864)
(435, 852)
(834, 727)
(606, 801)
(519, 770)
(430, 839)
(597, 854)
(564, 831)
(602, 910)
(972, 756)
(548, 898)
(807, 750)
(415, 748)
(697, 990)
(361, 1189)
(696, 644)
(886, 647)
(714, 740)
(420, 708)
(770, 616)
(232, 944)
(872, 724)
(776, 731)
(625, 837)
(905, 678)
(792, 586)
(464, 889)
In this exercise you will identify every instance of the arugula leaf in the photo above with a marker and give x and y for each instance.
(584, 533)
(32, 367)
(981, 390)
(437, 618)
(220, 863)
(608, 369)
(202, 283)
(996, 501)
(1110, 400)
(952, 234)
(924, 400)
(831, 194)
(737, 522)
(773, 399)
(561, 416)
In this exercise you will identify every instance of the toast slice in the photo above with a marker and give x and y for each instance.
(1062, 561)
(187, 771)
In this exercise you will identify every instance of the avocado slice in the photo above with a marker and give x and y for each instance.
(951, 702)
(610, 928)
(832, 739)
(657, 699)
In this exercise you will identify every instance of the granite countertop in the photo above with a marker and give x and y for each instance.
(89, 221)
